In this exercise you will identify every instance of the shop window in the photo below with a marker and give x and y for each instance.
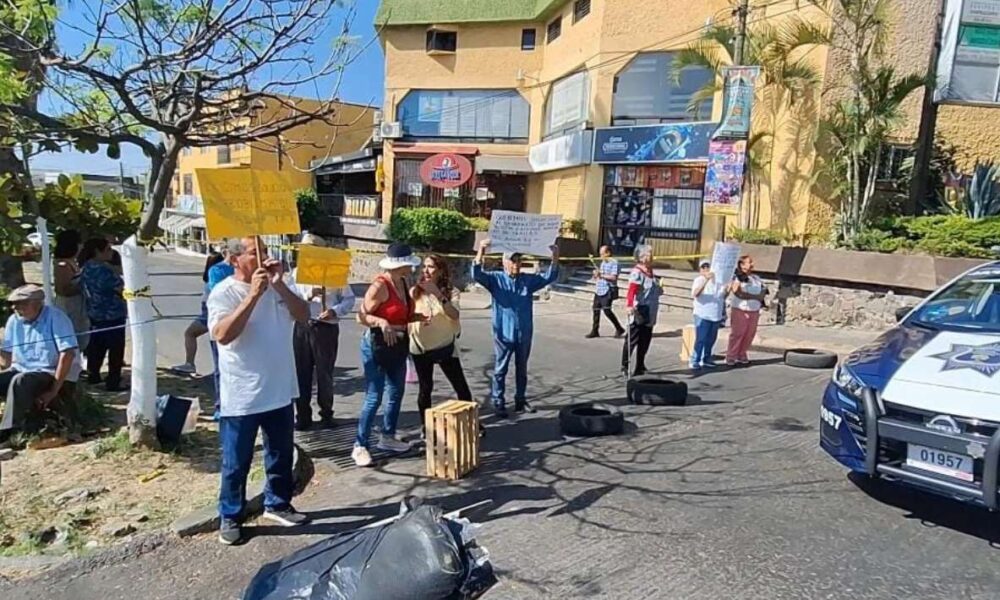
(441, 41)
(891, 164)
(647, 91)
(188, 185)
(580, 10)
(568, 104)
(554, 30)
(223, 155)
(466, 115)
(528, 39)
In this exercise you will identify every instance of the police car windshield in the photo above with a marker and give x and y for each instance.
(972, 303)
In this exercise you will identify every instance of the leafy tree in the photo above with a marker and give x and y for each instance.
(66, 205)
(866, 107)
(309, 207)
(164, 75)
(789, 81)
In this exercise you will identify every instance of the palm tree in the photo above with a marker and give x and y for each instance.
(789, 84)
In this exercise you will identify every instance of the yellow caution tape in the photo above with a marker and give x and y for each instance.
(143, 292)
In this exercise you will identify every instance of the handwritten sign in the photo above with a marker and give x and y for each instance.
(326, 267)
(524, 232)
(724, 260)
(243, 202)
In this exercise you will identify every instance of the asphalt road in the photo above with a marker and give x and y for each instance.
(728, 497)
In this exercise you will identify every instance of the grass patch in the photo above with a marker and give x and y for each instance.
(114, 445)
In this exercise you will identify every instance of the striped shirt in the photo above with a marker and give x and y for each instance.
(609, 268)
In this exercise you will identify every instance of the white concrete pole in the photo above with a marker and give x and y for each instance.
(43, 232)
(142, 404)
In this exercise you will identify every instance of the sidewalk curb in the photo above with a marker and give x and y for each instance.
(205, 520)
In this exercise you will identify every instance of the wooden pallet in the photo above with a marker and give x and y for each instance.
(452, 439)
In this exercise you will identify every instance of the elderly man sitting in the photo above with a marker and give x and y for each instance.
(37, 358)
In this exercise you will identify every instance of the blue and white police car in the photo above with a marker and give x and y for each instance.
(921, 405)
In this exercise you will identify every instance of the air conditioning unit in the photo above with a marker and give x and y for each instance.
(391, 131)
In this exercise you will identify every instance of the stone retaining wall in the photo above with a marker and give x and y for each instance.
(825, 305)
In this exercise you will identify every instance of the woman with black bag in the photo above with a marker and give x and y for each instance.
(642, 304)
(433, 333)
(387, 312)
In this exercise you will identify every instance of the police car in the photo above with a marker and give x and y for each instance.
(921, 405)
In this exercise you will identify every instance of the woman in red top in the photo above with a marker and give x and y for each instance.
(386, 310)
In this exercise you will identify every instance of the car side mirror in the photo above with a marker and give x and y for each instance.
(902, 312)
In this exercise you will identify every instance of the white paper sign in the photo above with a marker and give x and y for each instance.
(524, 232)
(724, 260)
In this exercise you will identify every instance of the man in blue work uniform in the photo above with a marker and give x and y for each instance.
(513, 317)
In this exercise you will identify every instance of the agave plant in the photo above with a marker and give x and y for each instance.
(982, 191)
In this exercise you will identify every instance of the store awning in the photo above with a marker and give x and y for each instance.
(505, 164)
(178, 224)
(421, 148)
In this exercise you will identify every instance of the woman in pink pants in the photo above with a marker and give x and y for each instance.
(749, 293)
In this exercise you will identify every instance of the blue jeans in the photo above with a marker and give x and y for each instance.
(504, 352)
(380, 379)
(706, 333)
(237, 435)
(215, 374)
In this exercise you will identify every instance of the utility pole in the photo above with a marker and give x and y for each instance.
(924, 150)
(741, 13)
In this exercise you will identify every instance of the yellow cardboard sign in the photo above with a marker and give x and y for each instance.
(327, 267)
(244, 202)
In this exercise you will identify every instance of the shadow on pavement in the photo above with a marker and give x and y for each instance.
(932, 510)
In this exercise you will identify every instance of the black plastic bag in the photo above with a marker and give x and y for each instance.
(420, 556)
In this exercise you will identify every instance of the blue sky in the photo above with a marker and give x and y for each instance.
(363, 83)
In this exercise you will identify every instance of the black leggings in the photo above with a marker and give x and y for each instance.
(639, 339)
(106, 343)
(452, 369)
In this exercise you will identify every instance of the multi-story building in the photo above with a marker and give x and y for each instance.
(528, 103)
(295, 152)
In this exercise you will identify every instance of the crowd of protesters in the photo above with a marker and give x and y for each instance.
(273, 338)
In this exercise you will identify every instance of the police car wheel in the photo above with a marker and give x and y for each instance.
(654, 391)
(806, 358)
(591, 419)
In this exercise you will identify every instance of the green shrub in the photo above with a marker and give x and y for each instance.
(956, 249)
(764, 237)
(478, 224)
(875, 240)
(309, 207)
(575, 228)
(427, 227)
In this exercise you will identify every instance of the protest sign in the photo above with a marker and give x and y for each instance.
(245, 202)
(524, 232)
(724, 260)
(326, 267)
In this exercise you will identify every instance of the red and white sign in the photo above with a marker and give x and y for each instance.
(446, 171)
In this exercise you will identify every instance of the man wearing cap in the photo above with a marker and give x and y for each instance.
(513, 321)
(37, 358)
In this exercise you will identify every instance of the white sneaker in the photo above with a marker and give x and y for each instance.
(183, 368)
(361, 456)
(391, 444)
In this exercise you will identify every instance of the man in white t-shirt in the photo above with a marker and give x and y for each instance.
(251, 316)
(709, 302)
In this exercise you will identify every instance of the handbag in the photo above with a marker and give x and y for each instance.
(641, 315)
(386, 355)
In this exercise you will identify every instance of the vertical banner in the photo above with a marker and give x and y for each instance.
(724, 177)
(740, 83)
(244, 202)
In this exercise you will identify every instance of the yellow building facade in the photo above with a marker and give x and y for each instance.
(294, 152)
(523, 88)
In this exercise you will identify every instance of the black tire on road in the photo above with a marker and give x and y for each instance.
(806, 358)
(657, 392)
(591, 419)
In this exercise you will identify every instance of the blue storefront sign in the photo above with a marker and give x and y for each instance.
(658, 144)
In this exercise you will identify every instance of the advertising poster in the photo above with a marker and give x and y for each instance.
(666, 143)
(969, 63)
(739, 92)
(724, 177)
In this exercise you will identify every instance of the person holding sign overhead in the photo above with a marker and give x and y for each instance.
(251, 317)
(387, 311)
(513, 321)
(316, 343)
